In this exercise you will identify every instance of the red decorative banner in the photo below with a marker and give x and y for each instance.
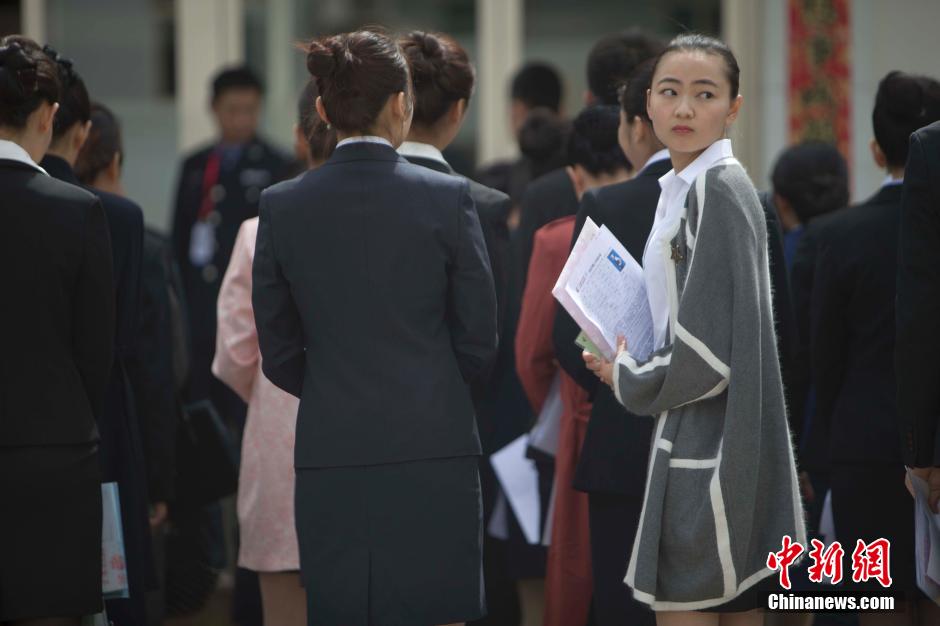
(820, 74)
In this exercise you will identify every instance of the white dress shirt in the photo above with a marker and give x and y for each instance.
(364, 139)
(420, 150)
(13, 151)
(669, 211)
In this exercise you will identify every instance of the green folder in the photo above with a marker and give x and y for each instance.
(585, 343)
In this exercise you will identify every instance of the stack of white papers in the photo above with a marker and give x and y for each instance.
(603, 289)
(927, 541)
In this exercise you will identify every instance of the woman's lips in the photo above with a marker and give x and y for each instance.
(682, 130)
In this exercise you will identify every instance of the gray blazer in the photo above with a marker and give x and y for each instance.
(721, 490)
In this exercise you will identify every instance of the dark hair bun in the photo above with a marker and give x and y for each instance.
(18, 77)
(356, 73)
(321, 58)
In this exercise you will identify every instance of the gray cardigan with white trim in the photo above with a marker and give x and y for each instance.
(722, 487)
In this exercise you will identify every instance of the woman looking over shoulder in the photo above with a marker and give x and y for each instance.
(374, 303)
(57, 333)
(721, 489)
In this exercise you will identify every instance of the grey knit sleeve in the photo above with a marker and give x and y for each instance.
(721, 247)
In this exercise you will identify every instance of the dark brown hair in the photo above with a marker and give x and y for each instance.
(441, 71)
(632, 93)
(320, 138)
(104, 141)
(27, 79)
(74, 103)
(356, 73)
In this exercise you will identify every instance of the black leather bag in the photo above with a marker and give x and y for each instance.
(206, 460)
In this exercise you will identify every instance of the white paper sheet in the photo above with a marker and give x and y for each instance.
(544, 434)
(519, 480)
(926, 541)
(605, 293)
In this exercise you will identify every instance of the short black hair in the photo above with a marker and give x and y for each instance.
(239, 77)
(813, 177)
(614, 57)
(593, 141)
(537, 84)
(904, 102)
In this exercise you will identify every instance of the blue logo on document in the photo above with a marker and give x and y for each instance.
(615, 259)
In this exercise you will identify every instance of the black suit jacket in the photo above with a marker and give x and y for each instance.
(546, 199)
(492, 207)
(918, 302)
(375, 305)
(852, 332)
(784, 321)
(616, 447)
(57, 317)
(151, 368)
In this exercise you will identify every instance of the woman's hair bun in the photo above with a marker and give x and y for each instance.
(321, 58)
(430, 45)
(18, 77)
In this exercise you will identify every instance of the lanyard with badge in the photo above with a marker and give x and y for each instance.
(202, 242)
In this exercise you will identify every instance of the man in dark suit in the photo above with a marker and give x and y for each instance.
(918, 309)
(219, 188)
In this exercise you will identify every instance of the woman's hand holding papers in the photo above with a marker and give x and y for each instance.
(603, 368)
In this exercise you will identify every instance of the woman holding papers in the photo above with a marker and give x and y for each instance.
(721, 491)
(56, 329)
(375, 305)
(267, 535)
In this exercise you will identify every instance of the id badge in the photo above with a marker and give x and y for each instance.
(202, 243)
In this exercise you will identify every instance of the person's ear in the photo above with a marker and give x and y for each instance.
(81, 135)
(733, 111)
(114, 167)
(878, 154)
(576, 174)
(649, 94)
(458, 110)
(589, 98)
(47, 117)
(321, 111)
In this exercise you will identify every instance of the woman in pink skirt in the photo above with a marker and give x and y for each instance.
(268, 539)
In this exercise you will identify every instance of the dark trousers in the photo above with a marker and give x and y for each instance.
(614, 519)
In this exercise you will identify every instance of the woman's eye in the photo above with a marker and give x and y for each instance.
(668, 92)
(706, 95)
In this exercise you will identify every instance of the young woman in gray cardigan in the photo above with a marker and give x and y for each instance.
(721, 488)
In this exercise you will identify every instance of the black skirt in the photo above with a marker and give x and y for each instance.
(50, 532)
(391, 544)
